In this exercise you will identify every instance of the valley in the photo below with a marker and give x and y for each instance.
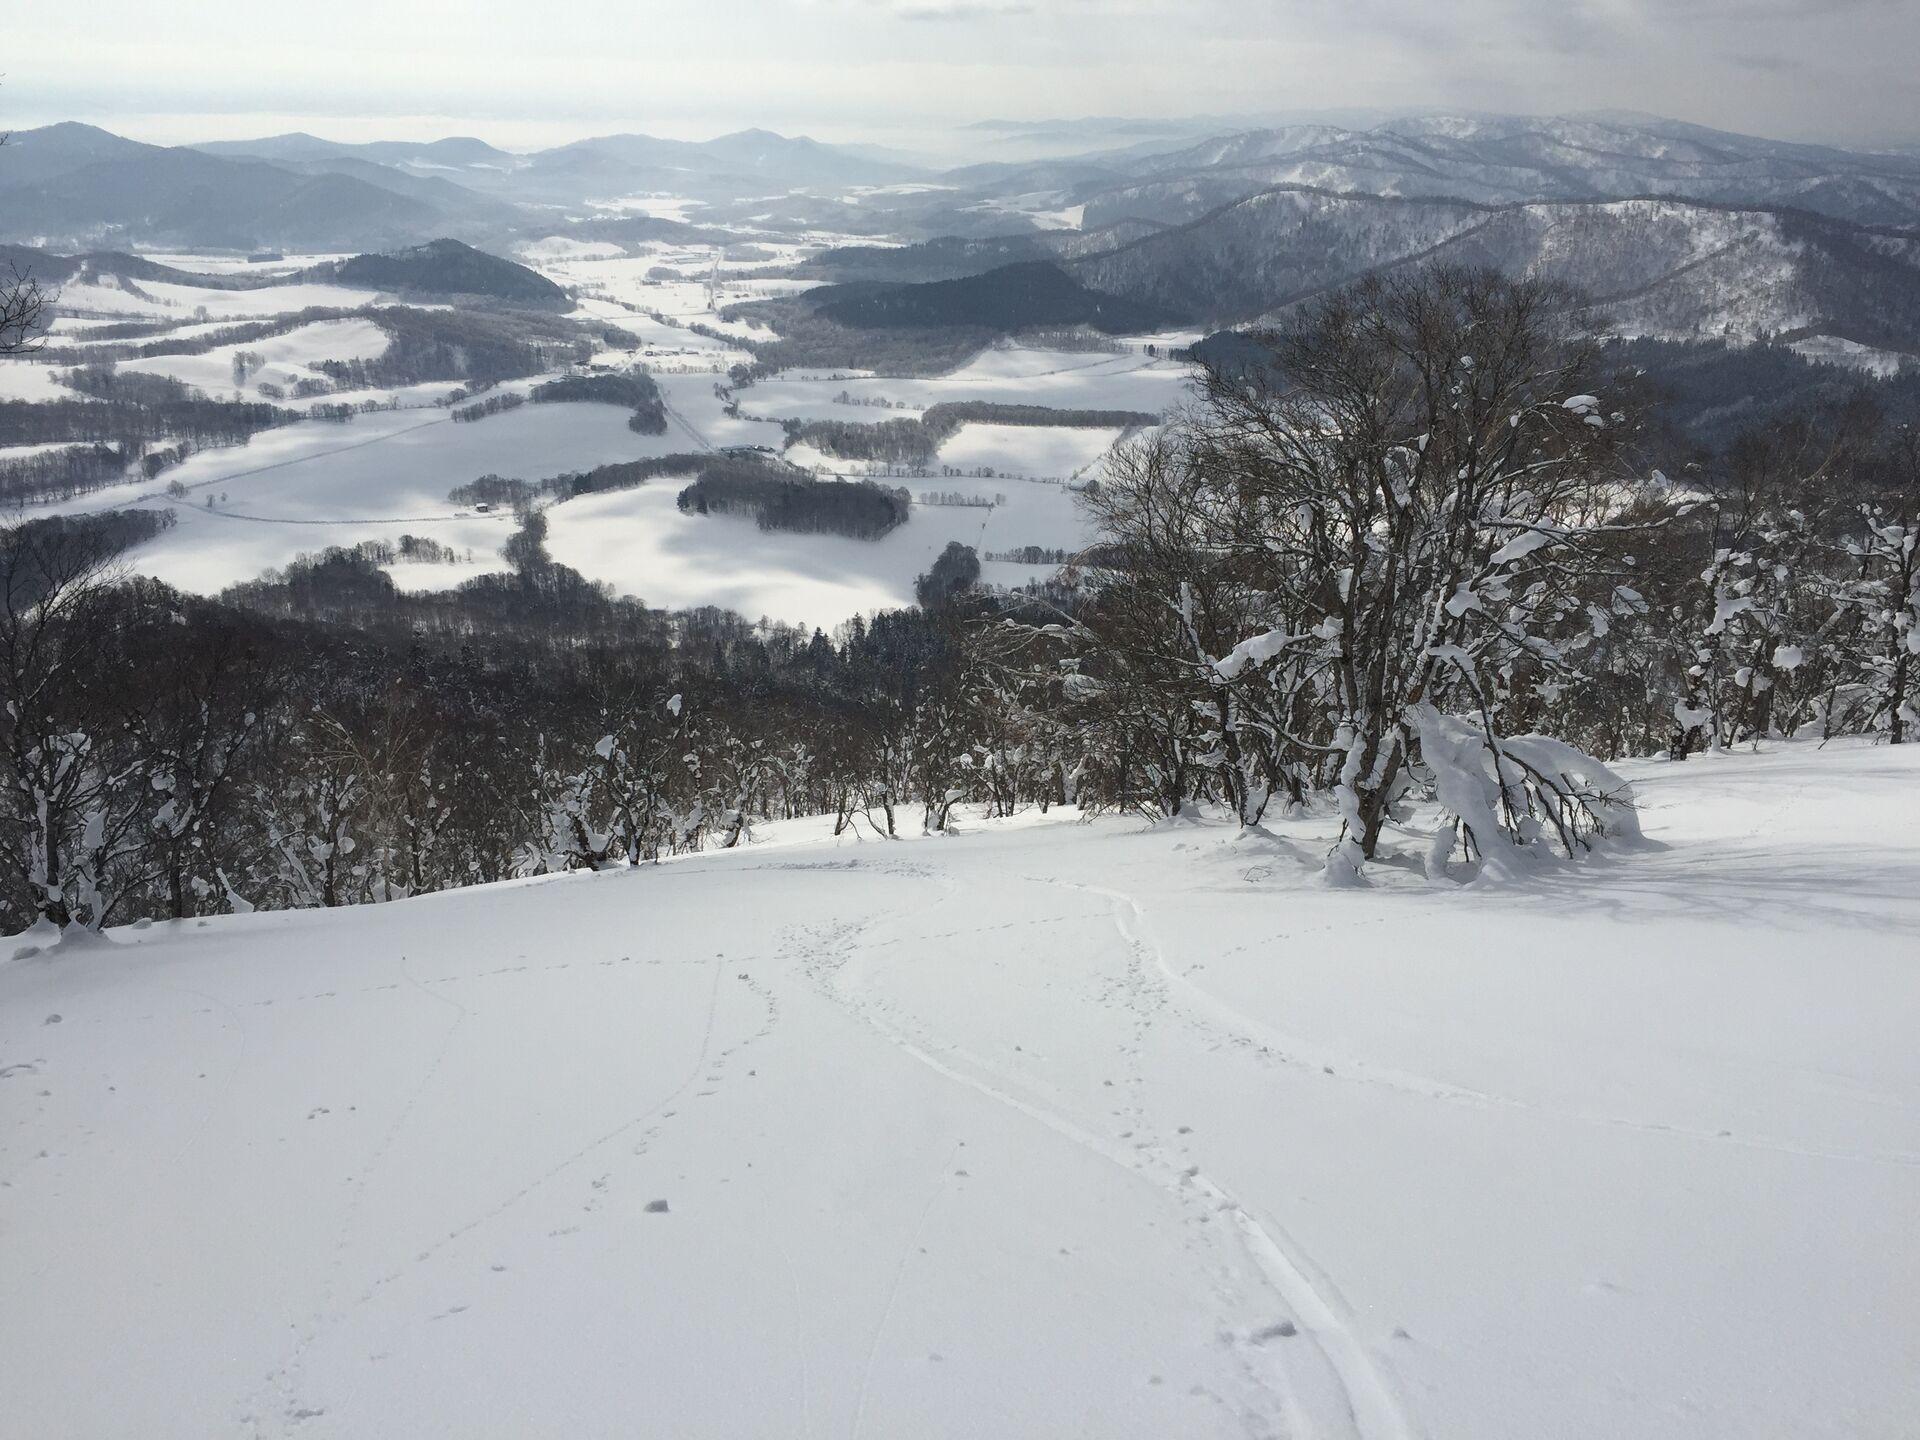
(304, 486)
(960, 720)
(766, 284)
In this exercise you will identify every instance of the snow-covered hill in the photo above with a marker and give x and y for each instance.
(1504, 158)
(1673, 269)
(1045, 1129)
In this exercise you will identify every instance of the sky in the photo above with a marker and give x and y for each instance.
(913, 73)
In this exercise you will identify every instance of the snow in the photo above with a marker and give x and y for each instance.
(303, 487)
(204, 263)
(659, 206)
(109, 295)
(300, 488)
(33, 381)
(1833, 350)
(1044, 1129)
(1004, 374)
(1042, 208)
(1068, 379)
(639, 542)
(559, 247)
(1045, 451)
(286, 359)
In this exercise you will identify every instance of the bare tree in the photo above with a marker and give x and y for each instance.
(1419, 512)
(67, 806)
(24, 309)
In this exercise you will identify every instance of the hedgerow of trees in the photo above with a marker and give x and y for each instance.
(907, 440)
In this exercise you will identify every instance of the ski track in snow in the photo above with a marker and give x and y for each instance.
(1241, 1029)
(893, 1287)
(912, 968)
(1367, 1398)
(285, 1383)
(286, 1380)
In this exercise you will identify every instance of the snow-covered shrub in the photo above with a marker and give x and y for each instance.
(1509, 800)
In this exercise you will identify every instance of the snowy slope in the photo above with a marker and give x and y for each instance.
(285, 360)
(1041, 1130)
(1496, 159)
(1671, 269)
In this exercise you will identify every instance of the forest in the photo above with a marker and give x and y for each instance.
(1436, 558)
(907, 440)
(632, 388)
(780, 497)
(465, 344)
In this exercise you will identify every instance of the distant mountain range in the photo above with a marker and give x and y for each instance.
(1680, 231)
(1670, 268)
(78, 186)
(1485, 159)
(455, 153)
(1667, 269)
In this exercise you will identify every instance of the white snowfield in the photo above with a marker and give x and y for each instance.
(299, 488)
(1041, 1130)
(639, 542)
(285, 360)
(113, 296)
(1006, 374)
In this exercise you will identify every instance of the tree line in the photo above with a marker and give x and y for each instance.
(1427, 550)
(1429, 556)
(171, 756)
(909, 440)
(779, 497)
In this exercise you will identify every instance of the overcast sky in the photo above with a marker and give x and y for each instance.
(533, 72)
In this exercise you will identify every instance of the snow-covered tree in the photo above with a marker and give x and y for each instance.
(1428, 508)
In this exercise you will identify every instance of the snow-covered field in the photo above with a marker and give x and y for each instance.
(284, 359)
(1046, 1129)
(110, 295)
(1005, 374)
(1057, 452)
(640, 543)
(304, 487)
(32, 381)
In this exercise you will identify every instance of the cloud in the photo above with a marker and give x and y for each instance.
(1833, 69)
(960, 9)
